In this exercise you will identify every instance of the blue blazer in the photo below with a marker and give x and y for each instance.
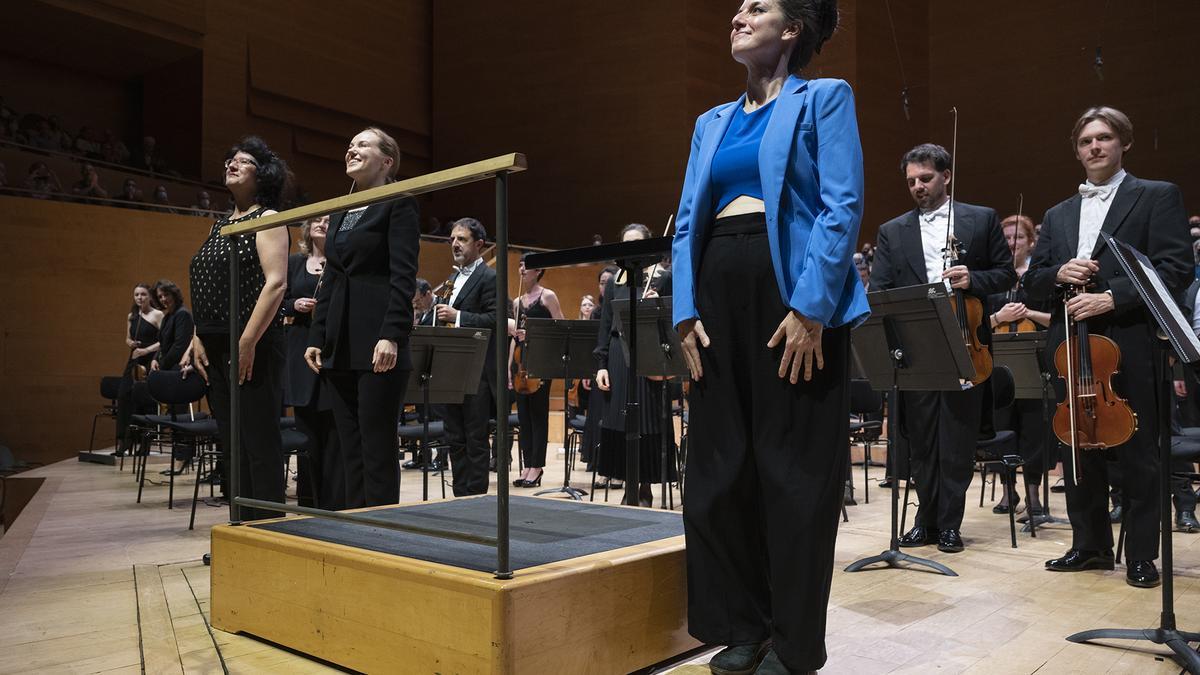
(812, 183)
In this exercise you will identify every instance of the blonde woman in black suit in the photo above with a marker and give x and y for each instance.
(359, 334)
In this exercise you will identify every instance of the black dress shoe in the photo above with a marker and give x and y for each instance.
(1058, 487)
(885, 483)
(1142, 573)
(1004, 508)
(950, 541)
(919, 536)
(738, 659)
(1078, 561)
(413, 465)
(1185, 521)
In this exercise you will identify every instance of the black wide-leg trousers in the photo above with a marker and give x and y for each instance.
(766, 463)
(533, 413)
(366, 411)
(467, 436)
(261, 466)
(942, 428)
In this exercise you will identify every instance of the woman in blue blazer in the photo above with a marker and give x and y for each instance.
(766, 293)
(363, 317)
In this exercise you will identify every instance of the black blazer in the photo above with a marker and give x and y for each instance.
(369, 280)
(1147, 215)
(174, 338)
(900, 258)
(478, 307)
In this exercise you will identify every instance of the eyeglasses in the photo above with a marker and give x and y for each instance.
(240, 160)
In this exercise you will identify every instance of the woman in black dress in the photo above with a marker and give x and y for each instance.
(141, 337)
(258, 179)
(1015, 312)
(610, 379)
(363, 317)
(321, 467)
(533, 410)
(174, 340)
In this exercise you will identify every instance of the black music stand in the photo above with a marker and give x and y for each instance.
(1024, 355)
(632, 257)
(903, 346)
(448, 364)
(561, 348)
(1181, 339)
(660, 354)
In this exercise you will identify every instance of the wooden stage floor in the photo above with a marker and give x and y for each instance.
(92, 582)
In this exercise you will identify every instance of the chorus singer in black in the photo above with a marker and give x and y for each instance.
(1149, 216)
(319, 478)
(473, 303)
(765, 295)
(942, 427)
(259, 181)
(360, 328)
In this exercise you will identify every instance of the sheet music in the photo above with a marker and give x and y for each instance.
(1151, 275)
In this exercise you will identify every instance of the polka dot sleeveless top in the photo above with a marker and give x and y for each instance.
(209, 278)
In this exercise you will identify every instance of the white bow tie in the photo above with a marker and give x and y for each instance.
(1101, 191)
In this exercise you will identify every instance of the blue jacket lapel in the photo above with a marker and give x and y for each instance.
(777, 143)
(713, 133)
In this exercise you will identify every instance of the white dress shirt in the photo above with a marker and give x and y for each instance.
(1196, 313)
(1093, 208)
(464, 273)
(933, 239)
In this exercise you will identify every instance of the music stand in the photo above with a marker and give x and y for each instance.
(448, 364)
(632, 257)
(903, 346)
(660, 354)
(1180, 338)
(1023, 354)
(561, 348)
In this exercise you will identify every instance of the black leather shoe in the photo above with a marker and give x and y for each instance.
(1114, 516)
(1078, 561)
(885, 483)
(1142, 573)
(1185, 521)
(919, 536)
(771, 665)
(738, 659)
(950, 541)
(1004, 508)
(413, 465)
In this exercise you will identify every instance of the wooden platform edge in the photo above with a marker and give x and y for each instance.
(156, 632)
(19, 533)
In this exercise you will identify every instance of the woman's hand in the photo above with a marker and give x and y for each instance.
(154, 365)
(384, 358)
(198, 358)
(131, 343)
(312, 356)
(304, 305)
(140, 352)
(1010, 312)
(801, 338)
(693, 337)
(602, 379)
(246, 359)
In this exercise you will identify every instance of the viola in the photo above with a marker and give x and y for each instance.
(1092, 416)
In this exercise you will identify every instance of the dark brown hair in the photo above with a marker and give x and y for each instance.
(818, 19)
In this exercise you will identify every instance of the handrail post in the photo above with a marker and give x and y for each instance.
(503, 446)
(235, 391)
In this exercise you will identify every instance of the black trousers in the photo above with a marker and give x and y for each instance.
(467, 436)
(766, 464)
(366, 411)
(942, 428)
(323, 465)
(133, 398)
(533, 413)
(1025, 418)
(261, 465)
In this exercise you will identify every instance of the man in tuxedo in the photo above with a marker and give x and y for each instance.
(941, 428)
(1149, 216)
(473, 303)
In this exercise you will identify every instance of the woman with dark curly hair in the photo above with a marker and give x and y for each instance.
(765, 295)
(360, 327)
(174, 340)
(258, 180)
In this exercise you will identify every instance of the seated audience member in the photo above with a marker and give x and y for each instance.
(42, 182)
(63, 140)
(7, 114)
(1194, 227)
(89, 183)
(41, 137)
(86, 144)
(148, 158)
(112, 149)
(161, 200)
(203, 202)
(130, 191)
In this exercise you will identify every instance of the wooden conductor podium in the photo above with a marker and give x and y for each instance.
(487, 584)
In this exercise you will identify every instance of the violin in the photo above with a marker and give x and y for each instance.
(967, 309)
(441, 295)
(1024, 325)
(1091, 416)
(522, 382)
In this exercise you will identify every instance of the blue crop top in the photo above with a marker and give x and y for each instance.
(735, 164)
